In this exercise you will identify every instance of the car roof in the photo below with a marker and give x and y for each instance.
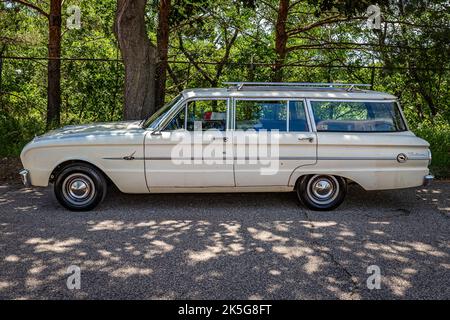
(287, 93)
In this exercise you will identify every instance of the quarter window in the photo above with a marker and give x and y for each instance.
(345, 116)
(178, 122)
(297, 116)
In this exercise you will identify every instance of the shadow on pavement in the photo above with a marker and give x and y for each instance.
(226, 246)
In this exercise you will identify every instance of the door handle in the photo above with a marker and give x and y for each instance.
(225, 139)
(310, 139)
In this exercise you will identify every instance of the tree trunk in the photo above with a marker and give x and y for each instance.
(54, 65)
(1, 75)
(2, 50)
(281, 39)
(163, 49)
(139, 56)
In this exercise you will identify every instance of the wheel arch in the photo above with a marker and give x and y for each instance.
(346, 178)
(60, 167)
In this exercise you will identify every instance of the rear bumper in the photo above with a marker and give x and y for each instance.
(427, 180)
(25, 176)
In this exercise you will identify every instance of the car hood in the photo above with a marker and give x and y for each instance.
(101, 128)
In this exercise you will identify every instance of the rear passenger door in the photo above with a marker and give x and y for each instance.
(271, 138)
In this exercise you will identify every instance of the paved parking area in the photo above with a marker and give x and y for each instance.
(226, 246)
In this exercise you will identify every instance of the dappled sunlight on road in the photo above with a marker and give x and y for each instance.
(52, 245)
(440, 198)
(248, 246)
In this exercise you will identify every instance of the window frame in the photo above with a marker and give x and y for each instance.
(184, 105)
(165, 116)
(231, 111)
(397, 104)
(287, 100)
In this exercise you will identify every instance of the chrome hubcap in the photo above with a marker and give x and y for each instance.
(78, 189)
(322, 189)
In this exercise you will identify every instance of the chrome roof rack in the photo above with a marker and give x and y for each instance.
(294, 85)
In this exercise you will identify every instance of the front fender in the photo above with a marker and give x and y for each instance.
(128, 175)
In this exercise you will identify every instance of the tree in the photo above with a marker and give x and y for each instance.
(211, 32)
(296, 18)
(139, 55)
(163, 50)
(54, 55)
(54, 64)
(281, 39)
(422, 46)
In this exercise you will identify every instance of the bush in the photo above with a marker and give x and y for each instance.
(14, 134)
(438, 135)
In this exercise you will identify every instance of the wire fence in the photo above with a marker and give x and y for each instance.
(92, 88)
(247, 64)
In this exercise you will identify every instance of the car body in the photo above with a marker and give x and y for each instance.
(309, 138)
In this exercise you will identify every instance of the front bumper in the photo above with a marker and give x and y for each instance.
(25, 176)
(427, 180)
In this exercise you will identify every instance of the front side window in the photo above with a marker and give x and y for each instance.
(261, 115)
(206, 115)
(352, 116)
(200, 115)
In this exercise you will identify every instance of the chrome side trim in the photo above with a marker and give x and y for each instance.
(25, 176)
(279, 158)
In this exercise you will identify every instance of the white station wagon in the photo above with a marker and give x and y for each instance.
(311, 138)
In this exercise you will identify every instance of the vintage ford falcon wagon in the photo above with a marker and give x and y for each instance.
(313, 139)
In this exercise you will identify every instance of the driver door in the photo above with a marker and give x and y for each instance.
(192, 150)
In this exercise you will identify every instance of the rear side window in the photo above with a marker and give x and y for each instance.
(351, 116)
(271, 115)
(261, 115)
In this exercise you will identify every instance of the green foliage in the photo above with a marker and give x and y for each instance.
(438, 135)
(16, 132)
(411, 58)
(349, 7)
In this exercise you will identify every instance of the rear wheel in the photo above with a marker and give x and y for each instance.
(322, 192)
(80, 187)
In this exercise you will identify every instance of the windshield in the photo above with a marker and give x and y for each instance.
(153, 121)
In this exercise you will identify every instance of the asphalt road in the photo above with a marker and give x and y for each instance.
(226, 246)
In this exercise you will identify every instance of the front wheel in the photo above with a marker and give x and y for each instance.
(322, 192)
(80, 187)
